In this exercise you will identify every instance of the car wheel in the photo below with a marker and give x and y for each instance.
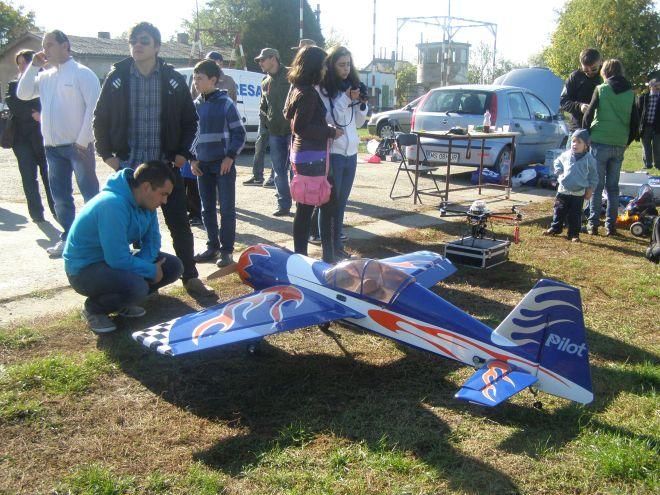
(503, 158)
(384, 129)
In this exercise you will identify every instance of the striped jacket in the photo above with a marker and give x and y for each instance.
(221, 133)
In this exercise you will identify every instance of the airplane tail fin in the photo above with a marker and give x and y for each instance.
(547, 328)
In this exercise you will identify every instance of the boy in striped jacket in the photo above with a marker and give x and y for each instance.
(219, 141)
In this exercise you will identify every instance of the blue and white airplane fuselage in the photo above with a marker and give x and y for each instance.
(541, 343)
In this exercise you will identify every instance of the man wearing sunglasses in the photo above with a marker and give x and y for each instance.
(580, 86)
(146, 113)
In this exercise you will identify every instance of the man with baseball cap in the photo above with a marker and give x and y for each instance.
(225, 82)
(274, 90)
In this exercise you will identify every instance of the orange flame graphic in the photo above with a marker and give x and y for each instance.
(279, 295)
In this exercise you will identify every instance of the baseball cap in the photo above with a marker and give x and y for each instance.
(266, 53)
(215, 56)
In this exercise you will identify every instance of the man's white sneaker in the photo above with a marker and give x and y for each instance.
(56, 250)
(132, 312)
(99, 323)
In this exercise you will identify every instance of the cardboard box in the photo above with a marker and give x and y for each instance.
(479, 253)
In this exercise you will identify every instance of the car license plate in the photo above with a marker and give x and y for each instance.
(441, 156)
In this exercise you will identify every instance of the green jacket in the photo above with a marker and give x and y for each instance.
(614, 113)
(274, 90)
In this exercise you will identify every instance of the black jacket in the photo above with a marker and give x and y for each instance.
(578, 89)
(21, 110)
(178, 116)
(642, 108)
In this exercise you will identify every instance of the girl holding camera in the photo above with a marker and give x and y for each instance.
(344, 97)
(309, 142)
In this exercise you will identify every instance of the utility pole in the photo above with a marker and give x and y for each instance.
(373, 61)
(302, 4)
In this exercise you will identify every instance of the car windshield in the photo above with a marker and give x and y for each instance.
(368, 278)
(466, 101)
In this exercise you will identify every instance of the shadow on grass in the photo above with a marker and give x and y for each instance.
(319, 394)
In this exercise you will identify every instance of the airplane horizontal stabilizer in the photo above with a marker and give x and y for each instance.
(494, 383)
(272, 310)
(427, 267)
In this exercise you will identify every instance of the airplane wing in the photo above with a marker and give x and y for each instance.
(276, 309)
(493, 383)
(427, 267)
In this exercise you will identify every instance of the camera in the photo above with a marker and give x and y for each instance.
(364, 92)
(364, 95)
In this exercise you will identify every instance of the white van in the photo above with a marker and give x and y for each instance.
(248, 95)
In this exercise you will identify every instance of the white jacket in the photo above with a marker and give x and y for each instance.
(346, 117)
(68, 95)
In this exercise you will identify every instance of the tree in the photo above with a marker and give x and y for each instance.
(13, 23)
(628, 30)
(406, 79)
(537, 59)
(334, 38)
(480, 70)
(259, 23)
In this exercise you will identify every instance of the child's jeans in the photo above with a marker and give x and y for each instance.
(213, 186)
(568, 210)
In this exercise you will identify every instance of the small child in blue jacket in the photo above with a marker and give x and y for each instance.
(220, 139)
(577, 174)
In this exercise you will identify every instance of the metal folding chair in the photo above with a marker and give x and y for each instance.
(401, 140)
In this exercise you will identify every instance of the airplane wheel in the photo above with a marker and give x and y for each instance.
(637, 229)
(254, 348)
(538, 405)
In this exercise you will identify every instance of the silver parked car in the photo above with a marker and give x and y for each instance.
(379, 123)
(539, 128)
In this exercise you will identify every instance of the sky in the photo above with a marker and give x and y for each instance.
(523, 26)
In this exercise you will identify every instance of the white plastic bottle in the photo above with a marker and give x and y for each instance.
(487, 121)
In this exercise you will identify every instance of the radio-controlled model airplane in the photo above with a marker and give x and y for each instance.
(541, 343)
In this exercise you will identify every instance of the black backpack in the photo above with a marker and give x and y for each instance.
(653, 251)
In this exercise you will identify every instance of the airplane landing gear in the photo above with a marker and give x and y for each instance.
(253, 348)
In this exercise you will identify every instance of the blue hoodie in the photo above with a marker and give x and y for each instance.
(107, 225)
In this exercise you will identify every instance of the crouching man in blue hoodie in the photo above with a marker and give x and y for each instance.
(97, 256)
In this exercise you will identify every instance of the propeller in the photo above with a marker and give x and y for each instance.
(224, 271)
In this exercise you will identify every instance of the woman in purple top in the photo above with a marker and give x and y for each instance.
(309, 141)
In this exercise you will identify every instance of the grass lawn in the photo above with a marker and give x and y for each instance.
(342, 412)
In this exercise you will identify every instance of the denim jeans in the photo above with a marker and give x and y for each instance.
(343, 173)
(214, 187)
(62, 161)
(109, 290)
(279, 154)
(260, 153)
(31, 164)
(651, 147)
(609, 159)
(175, 213)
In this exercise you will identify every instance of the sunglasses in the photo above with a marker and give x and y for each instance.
(591, 70)
(142, 40)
